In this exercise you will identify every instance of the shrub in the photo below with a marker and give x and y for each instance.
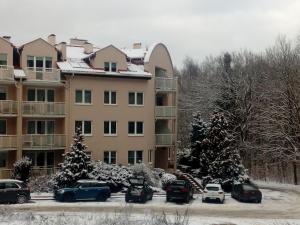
(166, 179)
(22, 169)
(115, 176)
(41, 184)
(150, 176)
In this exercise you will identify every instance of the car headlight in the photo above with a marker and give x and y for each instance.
(61, 191)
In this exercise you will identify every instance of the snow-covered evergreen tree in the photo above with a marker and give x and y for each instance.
(76, 165)
(224, 162)
(198, 145)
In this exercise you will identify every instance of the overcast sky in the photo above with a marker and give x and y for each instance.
(195, 28)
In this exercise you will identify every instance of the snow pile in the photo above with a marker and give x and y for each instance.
(166, 179)
(150, 176)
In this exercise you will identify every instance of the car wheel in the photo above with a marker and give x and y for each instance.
(143, 199)
(258, 201)
(68, 198)
(126, 199)
(187, 199)
(203, 200)
(168, 199)
(101, 197)
(151, 197)
(21, 199)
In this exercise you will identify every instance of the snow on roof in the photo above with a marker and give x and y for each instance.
(149, 52)
(77, 52)
(135, 53)
(213, 185)
(91, 181)
(10, 180)
(77, 67)
(19, 73)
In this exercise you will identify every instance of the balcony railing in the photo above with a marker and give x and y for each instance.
(5, 173)
(8, 141)
(165, 139)
(44, 108)
(165, 111)
(165, 84)
(42, 74)
(6, 72)
(44, 141)
(37, 171)
(8, 107)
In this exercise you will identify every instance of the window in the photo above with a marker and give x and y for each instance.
(135, 128)
(9, 185)
(110, 128)
(40, 63)
(110, 66)
(135, 157)
(83, 96)
(3, 60)
(110, 97)
(136, 98)
(3, 93)
(85, 126)
(40, 95)
(3, 159)
(40, 127)
(2, 126)
(110, 157)
(150, 155)
(159, 72)
(41, 158)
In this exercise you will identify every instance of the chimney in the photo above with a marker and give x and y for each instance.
(137, 45)
(62, 47)
(88, 48)
(77, 41)
(52, 39)
(7, 38)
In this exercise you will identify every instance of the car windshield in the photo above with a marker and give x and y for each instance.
(212, 188)
(249, 188)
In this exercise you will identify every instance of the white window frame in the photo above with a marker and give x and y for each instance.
(82, 126)
(150, 160)
(135, 129)
(83, 97)
(135, 156)
(36, 94)
(109, 98)
(109, 127)
(110, 66)
(34, 163)
(135, 98)
(4, 66)
(109, 156)
(47, 70)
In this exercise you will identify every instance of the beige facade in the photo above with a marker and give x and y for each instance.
(124, 100)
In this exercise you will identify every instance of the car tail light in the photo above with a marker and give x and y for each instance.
(205, 191)
(184, 190)
(220, 192)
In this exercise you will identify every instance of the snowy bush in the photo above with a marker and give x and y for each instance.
(115, 176)
(41, 184)
(22, 169)
(76, 165)
(166, 179)
(140, 169)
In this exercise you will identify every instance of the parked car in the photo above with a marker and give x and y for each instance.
(213, 192)
(138, 191)
(14, 191)
(179, 190)
(84, 190)
(247, 192)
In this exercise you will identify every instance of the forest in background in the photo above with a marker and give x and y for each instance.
(259, 94)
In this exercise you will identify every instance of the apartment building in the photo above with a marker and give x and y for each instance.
(123, 99)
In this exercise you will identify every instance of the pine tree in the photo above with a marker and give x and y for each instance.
(225, 162)
(76, 165)
(198, 145)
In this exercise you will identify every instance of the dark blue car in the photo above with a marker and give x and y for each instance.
(84, 190)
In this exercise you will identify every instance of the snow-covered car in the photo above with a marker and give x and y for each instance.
(84, 190)
(247, 192)
(213, 192)
(138, 191)
(14, 191)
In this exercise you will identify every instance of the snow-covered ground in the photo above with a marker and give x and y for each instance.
(277, 207)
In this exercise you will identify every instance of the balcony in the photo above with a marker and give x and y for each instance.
(165, 112)
(165, 84)
(6, 73)
(165, 139)
(8, 108)
(42, 74)
(45, 109)
(8, 142)
(44, 141)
